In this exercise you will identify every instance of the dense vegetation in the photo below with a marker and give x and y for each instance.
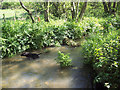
(102, 50)
(99, 27)
(25, 35)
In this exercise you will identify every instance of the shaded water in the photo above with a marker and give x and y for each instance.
(44, 72)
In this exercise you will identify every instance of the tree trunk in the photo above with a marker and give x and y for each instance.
(64, 10)
(109, 6)
(105, 7)
(15, 17)
(4, 18)
(73, 10)
(114, 5)
(82, 11)
(30, 14)
(1, 4)
(77, 10)
(46, 12)
(63, 6)
(118, 8)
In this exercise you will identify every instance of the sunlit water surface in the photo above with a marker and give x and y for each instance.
(44, 72)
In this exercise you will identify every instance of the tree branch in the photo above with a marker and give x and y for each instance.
(27, 11)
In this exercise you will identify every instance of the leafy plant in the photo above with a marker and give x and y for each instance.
(23, 35)
(101, 51)
(63, 59)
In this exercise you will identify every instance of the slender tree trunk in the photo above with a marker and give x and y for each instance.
(4, 18)
(109, 6)
(30, 14)
(64, 10)
(77, 10)
(73, 10)
(1, 4)
(63, 6)
(105, 7)
(114, 6)
(82, 11)
(74, 6)
(15, 17)
(118, 8)
(46, 12)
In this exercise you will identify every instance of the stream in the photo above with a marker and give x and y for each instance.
(44, 72)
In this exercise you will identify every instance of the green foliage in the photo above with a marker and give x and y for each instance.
(16, 5)
(18, 39)
(23, 35)
(63, 59)
(102, 52)
(101, 47)
(95, 9)
(7, 5)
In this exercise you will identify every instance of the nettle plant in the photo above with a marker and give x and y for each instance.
(64, 60)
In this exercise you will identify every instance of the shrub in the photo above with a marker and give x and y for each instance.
(23, 35)
(19, 37)
(63, 59)
(101, 51)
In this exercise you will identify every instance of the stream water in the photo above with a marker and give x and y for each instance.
(44, 72)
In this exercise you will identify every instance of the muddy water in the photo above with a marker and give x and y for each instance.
(44, 72)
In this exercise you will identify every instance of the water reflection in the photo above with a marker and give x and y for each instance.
(43, 72)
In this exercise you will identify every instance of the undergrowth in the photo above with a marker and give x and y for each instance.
(102, 52)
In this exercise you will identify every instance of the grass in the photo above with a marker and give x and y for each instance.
(11, 13)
